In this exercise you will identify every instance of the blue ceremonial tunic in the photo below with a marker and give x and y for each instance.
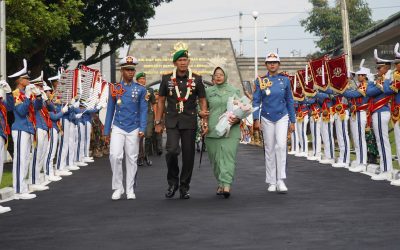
(377, 94)
(278, 103)
(131, 113)
(21, 111)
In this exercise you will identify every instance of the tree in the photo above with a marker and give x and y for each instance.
(325, 22)
(33, 25)
(44, 31)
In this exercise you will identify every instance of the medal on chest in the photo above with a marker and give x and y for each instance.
(266, 85)
(117, 91)
(190, 86)
(135, 93)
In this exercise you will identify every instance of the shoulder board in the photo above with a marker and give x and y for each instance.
(195, 74)
(284, 74)
(168, 73)
(16, 93)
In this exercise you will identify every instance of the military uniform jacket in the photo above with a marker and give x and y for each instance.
(188, 118)
(22, 104)
(131, 113)
(278, 103)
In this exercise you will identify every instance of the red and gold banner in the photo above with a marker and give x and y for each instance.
(317, 69)
(298, 94)
(337, 74)
(306, 83)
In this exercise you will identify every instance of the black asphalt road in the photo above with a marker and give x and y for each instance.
(325, 208)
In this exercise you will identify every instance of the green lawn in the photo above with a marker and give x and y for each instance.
(6, 180)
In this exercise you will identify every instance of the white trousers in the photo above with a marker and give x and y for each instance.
(38, 156)
(80, 151)
(2, 155)
(51, 152)
(357, 127)
(294, 139)
(315, 127)
(343, 138)
(327, 139)
(302, 129)
(22, 147)
(275, 141)
(72, 143)
(396, 128)
(62, 152)
(123, 142)
(380, 122)
(88, 131)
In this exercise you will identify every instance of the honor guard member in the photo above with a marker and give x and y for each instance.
(181, 89)
(302, 122)
(74, 116)
(126, 114)
(358, 101)
(274, 95)
(27, 99)
(157, 137)
(327, 120)
(380, 110)
(315, 127)
(87, 117)
(6, 104)
(62, 152)
(294, 137)
(43, 124)
(147, 149)
(56, 111)
(80, 135)
(392, 87)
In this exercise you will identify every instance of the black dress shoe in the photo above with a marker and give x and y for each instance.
(159, 152)
(171, 191)
(226, 194)
(185, 195)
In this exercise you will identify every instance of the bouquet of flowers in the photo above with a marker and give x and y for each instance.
(236, 108)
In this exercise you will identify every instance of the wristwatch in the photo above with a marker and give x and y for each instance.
(157, 122)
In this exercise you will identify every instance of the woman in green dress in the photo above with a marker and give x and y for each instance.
(222, 150)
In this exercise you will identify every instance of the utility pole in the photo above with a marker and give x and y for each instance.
(3, 40)
(346, 35)
(240, 34)
(255, 15)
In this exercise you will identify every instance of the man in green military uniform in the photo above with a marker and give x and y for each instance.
(147, 149)
(181, 89)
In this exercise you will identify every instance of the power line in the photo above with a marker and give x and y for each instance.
(248, 14)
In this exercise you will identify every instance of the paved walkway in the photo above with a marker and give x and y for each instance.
(325, 208)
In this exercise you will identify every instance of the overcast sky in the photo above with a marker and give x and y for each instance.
(171, 21)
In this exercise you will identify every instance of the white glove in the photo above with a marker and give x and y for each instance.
(44, 96)
(388, 75)
(36, 91)
(28, 90)
(98, 106)
(76, 105)
(78, 116)
(72, 101)
(64, 109)
(5, 86)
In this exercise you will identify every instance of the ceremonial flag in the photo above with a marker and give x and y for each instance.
(297, 90)
(307, 85)
(337, 73)
(317, 69)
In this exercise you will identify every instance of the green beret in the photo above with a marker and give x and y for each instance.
(140, 74)
(179, 54)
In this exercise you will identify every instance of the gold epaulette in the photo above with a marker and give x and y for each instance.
(16, 94)
(168, 73)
